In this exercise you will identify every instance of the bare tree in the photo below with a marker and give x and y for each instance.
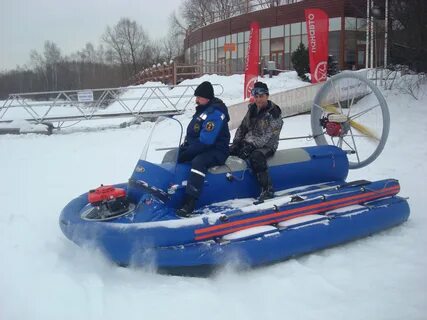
(46, 65)
(229, 8)
(172, 48)
(408, 33)
(173, 43)
(176, 27)
(264, 4)
(39, 66)
(156, 52)
(198, 13)
(129, 43)
(52, 55)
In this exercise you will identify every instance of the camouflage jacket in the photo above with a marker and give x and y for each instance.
(260, 128)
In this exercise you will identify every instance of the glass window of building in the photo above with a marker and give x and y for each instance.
(295, 41)
(213, 53)
(240, 50)
(287, 61)
(220, 53)
(265, 33)
(304, 40)
(287, 44)
(361, 24)
(287, 30)
(350, 49)
(200, 58)
(246, 36)
(193, 55)
(187, 54)
(350, 23)
(221, 41)
(303, 28)
(335, 24)
(295, 29)
(212, 43)
(277, 44)
(334, 44)
(277, 32)
(240, 37)
(234, 38)
(265, 47)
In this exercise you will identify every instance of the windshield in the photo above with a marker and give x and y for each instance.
(163, 142)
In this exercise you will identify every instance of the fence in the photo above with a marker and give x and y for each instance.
(399, 77)
(173, 73)
(77, 105)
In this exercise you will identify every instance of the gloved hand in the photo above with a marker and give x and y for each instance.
(183, 146)
(246, 150)
(234, 150)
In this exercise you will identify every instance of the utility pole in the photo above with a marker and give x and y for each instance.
(368, 5)
(372, 33)
(386, 34)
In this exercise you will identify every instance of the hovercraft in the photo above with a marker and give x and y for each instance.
(314, 207)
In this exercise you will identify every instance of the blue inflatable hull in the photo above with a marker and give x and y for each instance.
(323, 211)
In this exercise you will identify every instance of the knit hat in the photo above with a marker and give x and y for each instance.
(259, 88)
(205, 90)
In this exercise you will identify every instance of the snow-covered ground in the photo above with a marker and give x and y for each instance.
(45, 276)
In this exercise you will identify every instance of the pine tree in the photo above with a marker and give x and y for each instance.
(300, 62)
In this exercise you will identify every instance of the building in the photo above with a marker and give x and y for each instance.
(223, 44)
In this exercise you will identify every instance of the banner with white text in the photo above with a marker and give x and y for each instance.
(317, 32)
(252, 59)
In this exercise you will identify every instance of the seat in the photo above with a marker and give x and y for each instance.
(284, 156)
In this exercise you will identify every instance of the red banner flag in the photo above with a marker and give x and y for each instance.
(252, 58)
(317, 32)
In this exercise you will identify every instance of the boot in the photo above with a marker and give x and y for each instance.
(187, 208)
(266, 186)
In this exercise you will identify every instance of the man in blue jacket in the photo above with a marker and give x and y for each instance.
(206, 143)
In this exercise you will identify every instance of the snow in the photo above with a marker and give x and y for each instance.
(45, 276)
(298, 220)
(248, 232)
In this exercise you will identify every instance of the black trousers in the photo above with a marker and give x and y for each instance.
(258, 159)
(199, 166)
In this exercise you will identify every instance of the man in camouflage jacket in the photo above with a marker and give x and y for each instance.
(257, 137)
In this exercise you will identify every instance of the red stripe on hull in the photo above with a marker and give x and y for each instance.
(219, 230)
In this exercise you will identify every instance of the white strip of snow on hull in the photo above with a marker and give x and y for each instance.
(248, 232)
(347, 208)
(303, 219)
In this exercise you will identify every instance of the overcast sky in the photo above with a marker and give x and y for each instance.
(27, 24)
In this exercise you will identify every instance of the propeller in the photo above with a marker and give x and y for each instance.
(354, 124)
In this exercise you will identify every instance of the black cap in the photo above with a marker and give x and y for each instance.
(261, 85)
(205, 90)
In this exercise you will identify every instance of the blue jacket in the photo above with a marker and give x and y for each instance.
(207, 131)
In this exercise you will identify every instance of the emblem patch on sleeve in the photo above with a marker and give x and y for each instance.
(210, 126)
(196, 127)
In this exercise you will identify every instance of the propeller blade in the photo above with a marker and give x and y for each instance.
(364, 130)
(330, 108)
